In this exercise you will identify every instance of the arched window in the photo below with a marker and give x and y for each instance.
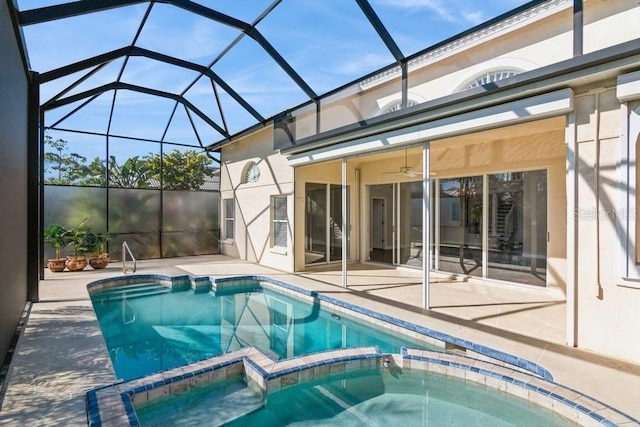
(251, 173)
(490, 77)
(397, 106)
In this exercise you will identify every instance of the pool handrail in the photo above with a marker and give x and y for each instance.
(125, 250)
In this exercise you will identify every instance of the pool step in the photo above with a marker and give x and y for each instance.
(235, 405)
(132, 291)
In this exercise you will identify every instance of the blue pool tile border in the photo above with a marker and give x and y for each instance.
(131, 412)
(126, 390)
(405, 354)
(93, 412)
(477, 348)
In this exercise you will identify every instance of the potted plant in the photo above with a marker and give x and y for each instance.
(57, 237)
(76, 235)
(96, 244)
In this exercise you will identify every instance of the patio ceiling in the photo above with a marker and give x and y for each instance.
(194, 72)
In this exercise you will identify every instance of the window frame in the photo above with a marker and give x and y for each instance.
(275, 220)
(229, 220)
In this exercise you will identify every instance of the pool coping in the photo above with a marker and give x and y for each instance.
(521, 377)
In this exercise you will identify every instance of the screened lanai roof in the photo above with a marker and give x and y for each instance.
(196, 72)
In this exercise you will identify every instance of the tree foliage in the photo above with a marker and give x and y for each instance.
(62, 167)
(181, 170)
(177, 170)
(133, 173)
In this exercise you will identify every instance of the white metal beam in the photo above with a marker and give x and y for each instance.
(426, 225)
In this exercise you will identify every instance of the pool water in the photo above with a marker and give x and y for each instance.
(148, 329)
(371, 398)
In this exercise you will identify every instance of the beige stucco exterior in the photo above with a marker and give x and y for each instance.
(252, 239)
(584, 247)
(605, 310)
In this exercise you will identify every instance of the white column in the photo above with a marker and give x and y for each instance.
(485, 225)
(345, 222)
(572, 228)
(358, 223)
(426, 225)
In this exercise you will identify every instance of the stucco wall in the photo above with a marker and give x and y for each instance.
(252, 240)
(607, 314)
(13, 181)
(617, 19)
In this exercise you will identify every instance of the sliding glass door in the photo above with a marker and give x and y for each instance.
(396, 223)
(323, 223)
(460, 219)
(498, 235)
(492, 226)
(409, 214)
(517, 246)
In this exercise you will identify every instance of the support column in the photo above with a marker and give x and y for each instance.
(578, 27)
(426, 225)
(345, 223)
(358, 217)
(485, 225)
(35, 136)
(572, 229)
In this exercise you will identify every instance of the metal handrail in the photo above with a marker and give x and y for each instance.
(125, 250)
(126, 303)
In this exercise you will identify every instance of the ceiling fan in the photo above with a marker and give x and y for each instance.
(406, 170)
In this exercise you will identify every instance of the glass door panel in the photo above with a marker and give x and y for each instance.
(323, 223)
(381, 236)
(315, 239)
(410, 224)
(460, 249)
(335, 222)
(517, 247)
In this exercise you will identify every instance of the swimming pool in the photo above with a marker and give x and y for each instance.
(273, 337)
(151, 327)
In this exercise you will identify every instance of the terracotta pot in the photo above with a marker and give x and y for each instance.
(76, 263)
(99, 262)
(56, 265)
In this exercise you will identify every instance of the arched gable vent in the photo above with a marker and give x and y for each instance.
(251, 173)
(490, 77)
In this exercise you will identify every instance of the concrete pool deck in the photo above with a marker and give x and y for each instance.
(61, 354)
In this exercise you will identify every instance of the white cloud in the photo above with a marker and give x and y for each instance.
(443, 11)
(462, 12)
(360, 65)
(474, 17)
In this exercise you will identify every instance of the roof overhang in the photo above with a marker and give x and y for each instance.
(533, 108)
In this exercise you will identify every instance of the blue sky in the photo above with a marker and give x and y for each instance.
(328, 42)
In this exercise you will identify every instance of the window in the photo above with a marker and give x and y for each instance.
(397, 106)
(490, 77)
(280, 223)
(251, 173)
(228, 218)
